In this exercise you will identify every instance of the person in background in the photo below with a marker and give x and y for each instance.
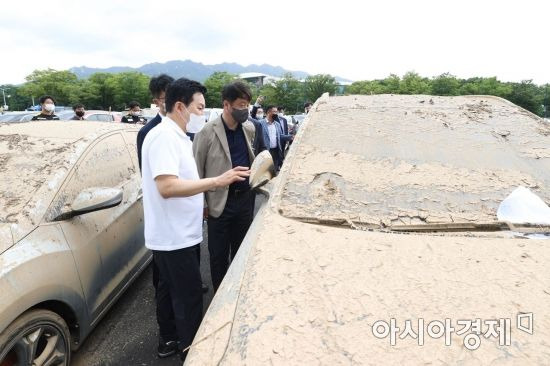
(307, 107)
(79, 112)
(284, 125)
(282, 120)
(257, 114)
(273, 136)
(133, 115)
(47, 103)
(157, 87)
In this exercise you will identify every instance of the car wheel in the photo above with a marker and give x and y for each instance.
(38, 337)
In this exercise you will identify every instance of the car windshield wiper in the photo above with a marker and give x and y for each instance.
(472, 226)
(426, 228)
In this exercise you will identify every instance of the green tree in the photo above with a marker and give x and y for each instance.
(528, 95)
(129, 86)
(14, 99)
(413, 83)
(485, 86)
(99, 91)
(62, 85)
(316, 85)
(367, 87)
(445, 84)
(214, 85)
(287, 92)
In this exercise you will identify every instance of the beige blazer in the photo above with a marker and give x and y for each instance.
(212, 156)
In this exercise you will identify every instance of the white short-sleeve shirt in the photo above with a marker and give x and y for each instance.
(170, 223)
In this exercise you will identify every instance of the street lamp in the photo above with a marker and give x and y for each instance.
(4, 94)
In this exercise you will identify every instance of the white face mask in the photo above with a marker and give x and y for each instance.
(196, 123)
(259, 116)
(49, 107)
(280, 114)
(134, 113)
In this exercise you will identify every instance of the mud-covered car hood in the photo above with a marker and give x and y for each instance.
(300, 293)
(310, 294)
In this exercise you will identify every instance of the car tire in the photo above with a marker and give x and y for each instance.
(37, 337)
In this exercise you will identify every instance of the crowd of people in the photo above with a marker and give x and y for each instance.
(194, 171)
(191, 174)
(47, 112)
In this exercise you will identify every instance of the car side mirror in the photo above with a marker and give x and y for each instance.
(262, 170)
(90, 200)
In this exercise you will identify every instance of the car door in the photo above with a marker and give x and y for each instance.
(105, 243)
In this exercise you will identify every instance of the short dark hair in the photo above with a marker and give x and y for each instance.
(281, 108)
(159, 84)
(133, 104)
(182, 90)
(307, 104)
(78, 105)
(268, 108)
(44, 97)
(235, 90)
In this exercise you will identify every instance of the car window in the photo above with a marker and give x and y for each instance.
(92, 117)
(131, 141)
(104, 117)
(105, 164)
(26, 118)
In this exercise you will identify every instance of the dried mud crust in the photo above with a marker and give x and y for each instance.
(390, 159)
(34, 160)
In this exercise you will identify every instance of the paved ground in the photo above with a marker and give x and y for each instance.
(128, 334)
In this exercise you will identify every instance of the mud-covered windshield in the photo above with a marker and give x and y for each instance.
(35, 158)
(413, 160)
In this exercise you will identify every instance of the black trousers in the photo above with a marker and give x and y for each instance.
(226, 232)
(179, 294)
(276, 158)
(163, 317)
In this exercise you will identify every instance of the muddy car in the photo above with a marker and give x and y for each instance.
(71, 233)
(380, 242)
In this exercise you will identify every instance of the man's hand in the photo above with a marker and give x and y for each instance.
(237, 174)
(205, 213)
(259, 100)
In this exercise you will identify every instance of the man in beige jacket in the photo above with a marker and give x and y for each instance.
(225, 143)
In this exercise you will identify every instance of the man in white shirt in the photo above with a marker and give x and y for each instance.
(173, 208)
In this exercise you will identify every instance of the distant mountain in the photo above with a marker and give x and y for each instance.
(192, 70)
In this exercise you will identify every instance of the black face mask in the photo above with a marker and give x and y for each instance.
(240, 115)
(79, 113)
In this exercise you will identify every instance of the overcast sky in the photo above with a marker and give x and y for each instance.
(356, 40)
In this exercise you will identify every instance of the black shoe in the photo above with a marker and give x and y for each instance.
(204, 288)
(166, 349)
